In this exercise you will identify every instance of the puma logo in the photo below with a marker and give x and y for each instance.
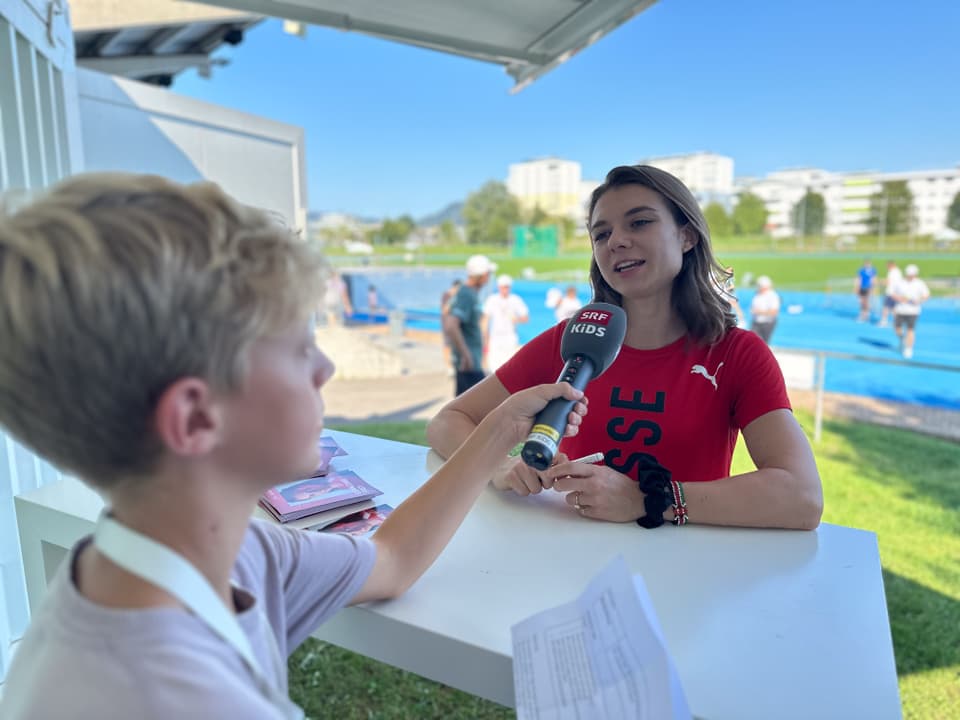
(701, 370)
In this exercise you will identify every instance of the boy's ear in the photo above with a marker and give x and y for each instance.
(187, 418)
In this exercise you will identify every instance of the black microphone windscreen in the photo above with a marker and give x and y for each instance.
(596, 331)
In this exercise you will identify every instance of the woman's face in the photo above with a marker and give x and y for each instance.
(637, 244)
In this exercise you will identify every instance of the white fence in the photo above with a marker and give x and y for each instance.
(39, 144)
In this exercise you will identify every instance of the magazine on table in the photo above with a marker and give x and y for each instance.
(360, 523)
(309, 496)
(329, 449)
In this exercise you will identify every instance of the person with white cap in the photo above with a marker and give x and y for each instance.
(910, 293)
(461, 325)
(764, 309)
(502, 313)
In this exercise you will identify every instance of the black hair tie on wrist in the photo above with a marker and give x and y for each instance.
(654, 483)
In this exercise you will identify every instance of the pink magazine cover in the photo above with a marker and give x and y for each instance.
(361, 523)
(329, 449)
(313, 495)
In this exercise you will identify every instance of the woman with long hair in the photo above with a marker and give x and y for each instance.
(687, 382)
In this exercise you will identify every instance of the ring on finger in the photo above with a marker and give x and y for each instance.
(576, 501)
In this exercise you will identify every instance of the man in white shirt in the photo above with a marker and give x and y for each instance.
(894, 276)
(764, 309)
(910, 293)
(502, 313)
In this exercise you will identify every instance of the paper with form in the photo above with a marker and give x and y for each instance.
(600, 656)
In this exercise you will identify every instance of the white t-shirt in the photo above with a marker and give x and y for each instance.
(894, 277)
(765, 302)
(502, 314)
(567, 307)
(85, 661)
(915, 291)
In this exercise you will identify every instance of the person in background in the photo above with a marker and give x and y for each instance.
(764, 309)
(180, 605)
(667, 413)
(462, 324)
(866, 279)
(373, 300)
(568, 304)
(894, 276)
(445, 300)
(502, 312)
(910, 294)
(336, 299)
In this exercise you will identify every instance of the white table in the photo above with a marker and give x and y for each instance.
(761, 623)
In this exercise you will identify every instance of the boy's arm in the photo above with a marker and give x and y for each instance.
(417, 531)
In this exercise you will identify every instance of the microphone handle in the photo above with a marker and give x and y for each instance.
(541, 445)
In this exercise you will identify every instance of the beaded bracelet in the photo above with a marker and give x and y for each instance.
(679, 504)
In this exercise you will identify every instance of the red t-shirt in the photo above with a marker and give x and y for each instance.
(678, 407)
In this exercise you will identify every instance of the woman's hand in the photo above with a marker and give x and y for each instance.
(601, 492)
(516, 475)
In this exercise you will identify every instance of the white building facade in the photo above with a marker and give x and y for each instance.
(708, 175)
(848, 197)
(552, 184)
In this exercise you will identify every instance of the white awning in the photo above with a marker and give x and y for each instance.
(528, 37)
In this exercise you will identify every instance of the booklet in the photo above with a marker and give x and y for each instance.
(600, 656)
(361, 523)
(300, 498)
(329, 449)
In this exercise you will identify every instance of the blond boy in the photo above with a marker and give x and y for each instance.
(155, 341)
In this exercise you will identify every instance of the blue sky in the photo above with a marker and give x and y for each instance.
(392, 129)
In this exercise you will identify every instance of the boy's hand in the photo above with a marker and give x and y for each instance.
(514, 416)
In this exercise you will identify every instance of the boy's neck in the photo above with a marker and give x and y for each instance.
(206, 531)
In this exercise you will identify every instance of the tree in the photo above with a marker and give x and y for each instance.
(953, 213)
(750, 215)
(447, 233)
(396, 231)
(718, 221)
(489, 214)
(891, 209)
(809, 214)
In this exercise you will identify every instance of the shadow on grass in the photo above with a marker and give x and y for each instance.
(926, 634)
(329, 682)
(918, 466)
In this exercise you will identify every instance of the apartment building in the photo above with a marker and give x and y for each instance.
(708, 175)
(848, 196)
(552, 184)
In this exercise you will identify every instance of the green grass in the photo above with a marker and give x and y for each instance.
(899, 484)
(809, 270)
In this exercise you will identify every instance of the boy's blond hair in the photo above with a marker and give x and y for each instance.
(114, 286)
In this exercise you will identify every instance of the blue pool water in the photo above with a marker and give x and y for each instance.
(819, 321)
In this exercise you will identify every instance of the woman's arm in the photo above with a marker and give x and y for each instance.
(783, 492)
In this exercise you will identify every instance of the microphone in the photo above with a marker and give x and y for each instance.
(591, 342)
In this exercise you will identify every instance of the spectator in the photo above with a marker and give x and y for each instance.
(910, 293)
(502, 313)
(764, 309)
(568, 304)
(866, 278)
(445, 300)
(894, 276)
(462, 324)
(373, 300)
